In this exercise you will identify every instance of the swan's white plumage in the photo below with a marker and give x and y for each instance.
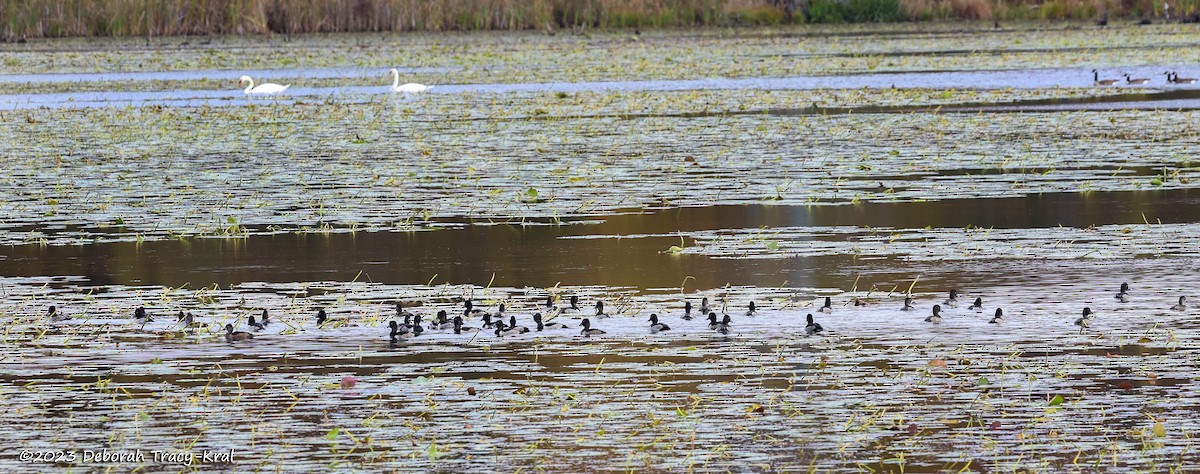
(263, 89)
(410, 88)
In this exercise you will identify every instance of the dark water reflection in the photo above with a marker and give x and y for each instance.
(535, 255)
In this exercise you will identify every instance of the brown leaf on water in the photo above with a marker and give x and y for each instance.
(1125, 385)
(471, 391)
(938, 363)
(994, 426)
(913, 429)
(1152, 378)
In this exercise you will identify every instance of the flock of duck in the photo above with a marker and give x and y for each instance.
(1172, 78)
(271, 88)
(549, 317)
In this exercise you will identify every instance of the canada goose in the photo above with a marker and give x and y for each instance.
(1136, 81)
(1102, 82)
(1175, 79)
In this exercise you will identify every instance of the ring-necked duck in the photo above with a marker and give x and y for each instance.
(588, 330)
(394, 336)
(600, 314)
(998, 317)
(459, 328)
(512, 325)
(724, 327)
(704, 306)
(189, 321)
(752, 311)
(687, 310)
(1123, 295)
(140, 315)
(1182, 304)
(255, 325)
(322, 317)
(712, 320)
(1084, 320)
(812, 327)
(572, 310)
(265, 320)
(828, 307)
(936, 317)
(537, 318)
(908, 306)
(54, 316)
(441, 322)
(231, 335)
(977, 305)
(488, 323)
(416, 327)
(952, 301)
(656, 326)
(471, 311)
(401, 312)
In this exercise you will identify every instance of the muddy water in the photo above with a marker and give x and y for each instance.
(542, 254)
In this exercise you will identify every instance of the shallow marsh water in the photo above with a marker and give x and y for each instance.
(771, 166)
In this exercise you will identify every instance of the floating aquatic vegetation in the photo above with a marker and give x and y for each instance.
(942, 244)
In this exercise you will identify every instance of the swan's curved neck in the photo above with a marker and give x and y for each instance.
(250, 86)
(395, 80)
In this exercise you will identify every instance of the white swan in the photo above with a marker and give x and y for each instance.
(410, 88)
(264, 89)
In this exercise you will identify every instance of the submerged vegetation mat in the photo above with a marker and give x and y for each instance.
(151, 173)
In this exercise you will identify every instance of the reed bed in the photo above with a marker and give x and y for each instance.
(57, 18)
